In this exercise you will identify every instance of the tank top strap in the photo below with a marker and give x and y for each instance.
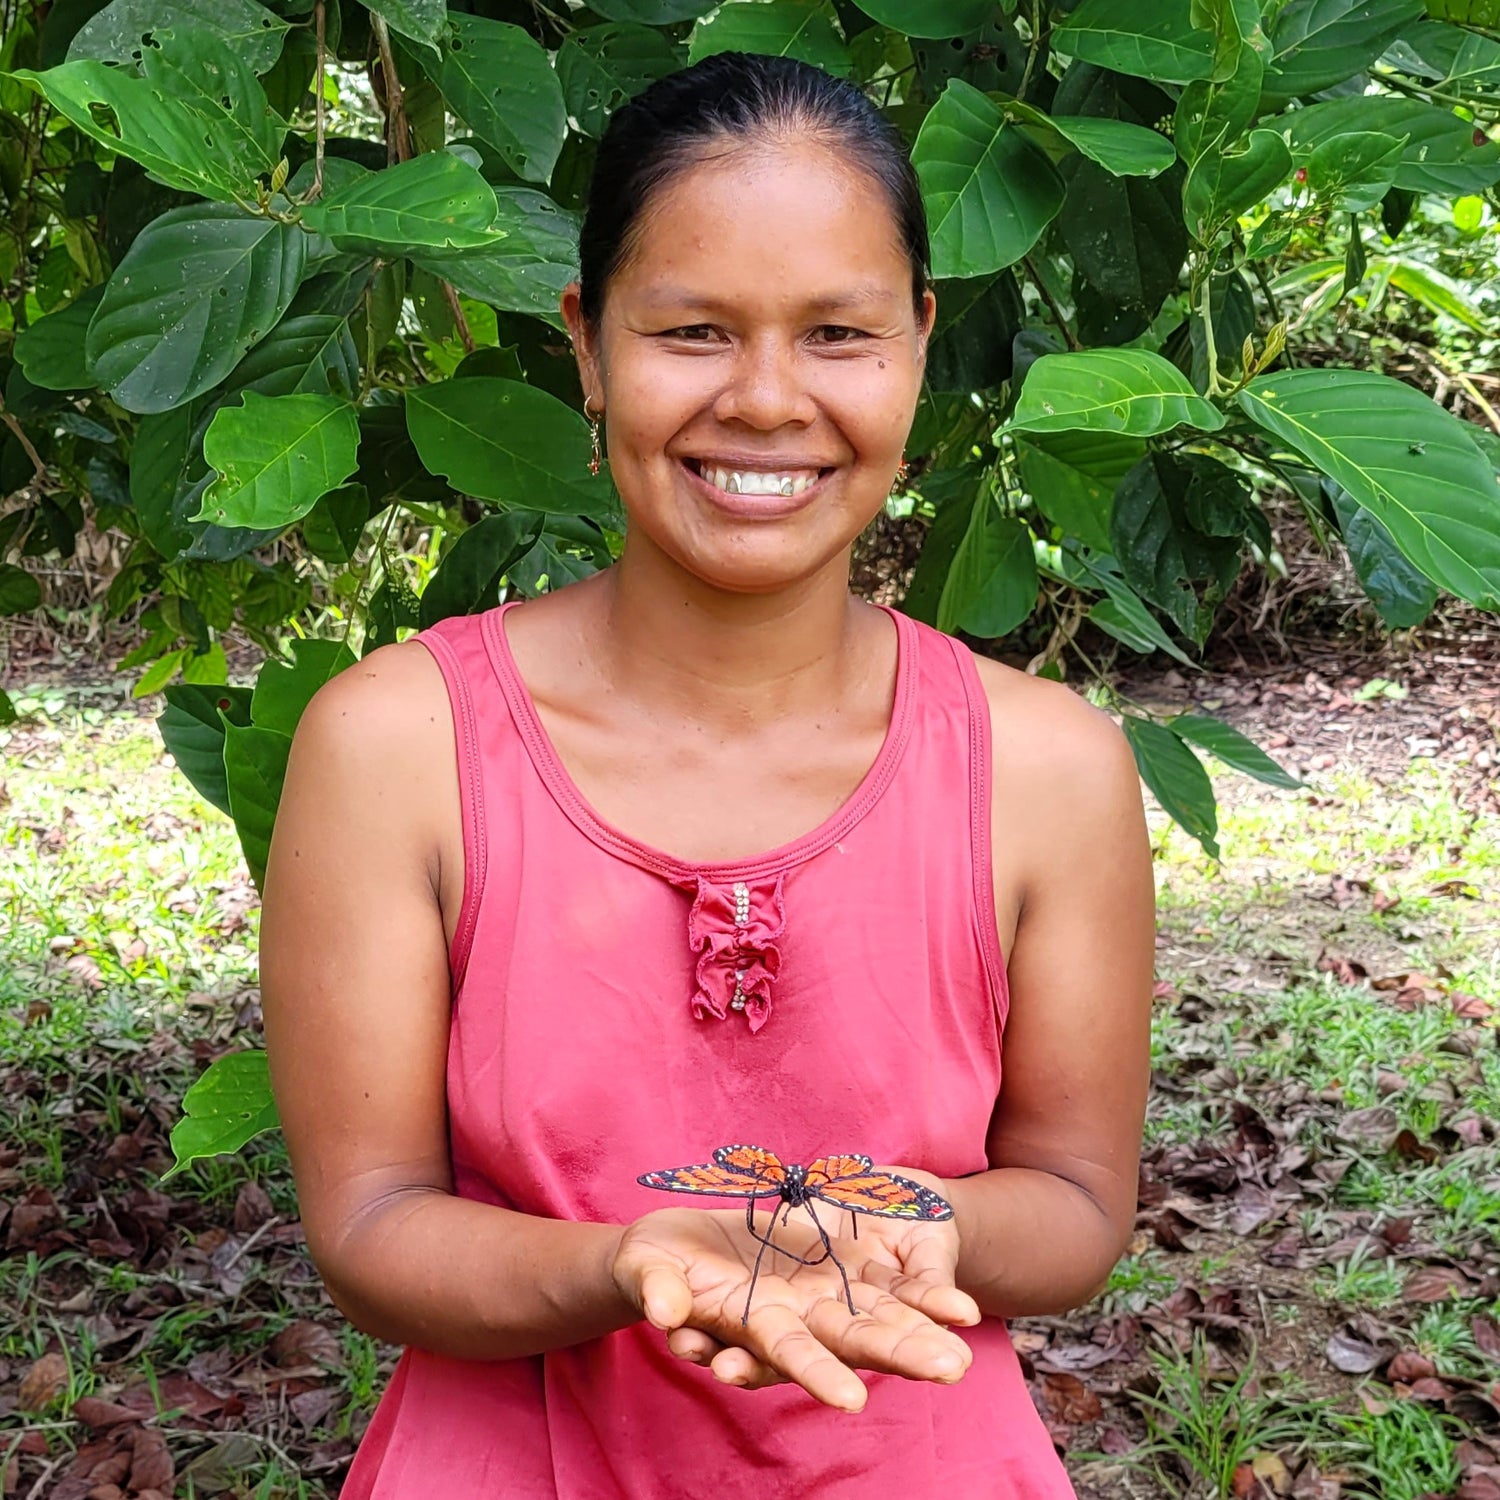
(457, 645)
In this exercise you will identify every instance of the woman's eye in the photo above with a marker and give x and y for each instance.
(694, 333)
(835, 333)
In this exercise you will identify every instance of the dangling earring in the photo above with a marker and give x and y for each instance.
(596, 457)
(902, 470)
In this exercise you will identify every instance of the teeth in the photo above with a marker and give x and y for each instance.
(755, 482)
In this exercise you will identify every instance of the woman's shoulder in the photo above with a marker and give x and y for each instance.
(1049, 721)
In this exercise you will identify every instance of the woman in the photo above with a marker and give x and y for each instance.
(703, 850)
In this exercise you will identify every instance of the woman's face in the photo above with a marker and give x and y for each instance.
(759, 361)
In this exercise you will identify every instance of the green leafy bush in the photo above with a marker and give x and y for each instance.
(291, 270)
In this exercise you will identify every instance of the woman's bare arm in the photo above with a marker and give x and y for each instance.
(1042, 1230)
(354, 980)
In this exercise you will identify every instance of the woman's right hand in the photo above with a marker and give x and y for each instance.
(690, 1269)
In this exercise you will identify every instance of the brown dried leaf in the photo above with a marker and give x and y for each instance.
(96, 1413)
(1409, 1366)
(306, 1343)
(1069, 1399)
(1435, 1283)
(1486, 1335)
(43, 1382)
(151, 1466)
(1351, 1354)
(252, 1207)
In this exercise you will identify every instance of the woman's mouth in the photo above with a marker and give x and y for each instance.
(724, 481)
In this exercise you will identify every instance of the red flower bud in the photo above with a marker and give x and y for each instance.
(1301, 174)
(1481, 138)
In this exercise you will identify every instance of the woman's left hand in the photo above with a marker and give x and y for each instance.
(914, 1260)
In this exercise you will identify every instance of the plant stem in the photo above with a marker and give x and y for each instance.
(43, 480)
(397, 135)
(316, 190)
(1052, 307)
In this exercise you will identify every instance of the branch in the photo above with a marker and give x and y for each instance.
(456, 308)
(43, 479)
(1052, 306)
(316, 190)
(397, 133)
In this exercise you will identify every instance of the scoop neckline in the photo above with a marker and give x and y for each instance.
(575, 805)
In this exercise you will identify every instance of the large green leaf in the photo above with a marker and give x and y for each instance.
(192, 729)
(1072, 476)
(930, 18)
(198, 287)
(421, 20)
(202, 150)
(1223, 185)
(992, 583)
(1237, 751)
(1126, 615)
(499, 80)
(284, 689)
(226, 1108)
(1318, 43)
(117, 32)
(524, 271)
(502, 440)
(1126, 149)
(275, 456)
(1354, 172)
(435, 201)
(468, 577)
(1130, 391)
(255, 765)
(1400, 454)
(1177, 519)
(314, 352)
(1176, 778)
(50, 350)
(1458, 60)
(652, 12)
(600, 67)
(774, 28)
(1403, 595)
(1443, 154)
(978, 320)
(989, 191)
(1156, 41)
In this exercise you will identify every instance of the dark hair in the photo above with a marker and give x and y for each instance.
(680, 118)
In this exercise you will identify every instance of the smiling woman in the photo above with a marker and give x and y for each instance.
(701, 850)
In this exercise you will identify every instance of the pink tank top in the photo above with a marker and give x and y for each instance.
(618, 1010)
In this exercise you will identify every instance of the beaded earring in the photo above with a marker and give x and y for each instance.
(596, 457)
(902, 470)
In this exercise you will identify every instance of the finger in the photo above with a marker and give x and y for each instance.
(929, 1290)
(739, 1367)
(888, 1335)
(777, 1337)
(666, 1299)
(693, 1345)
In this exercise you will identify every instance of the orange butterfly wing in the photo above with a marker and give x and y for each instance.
(886, 1195)
(830, 1168)
(735, 1172)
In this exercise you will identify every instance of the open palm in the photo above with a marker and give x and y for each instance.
(689, 1270)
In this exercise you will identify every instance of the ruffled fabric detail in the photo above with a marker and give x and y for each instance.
(733, 929)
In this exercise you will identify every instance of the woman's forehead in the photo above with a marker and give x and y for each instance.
(800, 218)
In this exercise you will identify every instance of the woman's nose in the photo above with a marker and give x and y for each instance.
(767, 387)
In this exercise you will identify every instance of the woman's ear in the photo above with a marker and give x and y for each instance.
(929, 317)
(585, 347)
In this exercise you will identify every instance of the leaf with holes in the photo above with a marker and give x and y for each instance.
(199, 286)
(275, 456)
(115, 34)
(227, 1107)
(989, 191)
(1400, 454)
(1129, 391)
(600, 67)
(499, 80)
(432, 202)
(420, 20)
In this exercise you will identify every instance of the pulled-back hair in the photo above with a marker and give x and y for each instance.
(725, 99)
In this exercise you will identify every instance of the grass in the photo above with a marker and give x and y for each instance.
(128, 931)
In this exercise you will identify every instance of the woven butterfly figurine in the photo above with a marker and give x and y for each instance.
(849, 1181)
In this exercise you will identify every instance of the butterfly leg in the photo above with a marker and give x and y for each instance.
(829, 1255)
(765, 1240)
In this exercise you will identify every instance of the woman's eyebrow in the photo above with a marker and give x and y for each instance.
(863, 295)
